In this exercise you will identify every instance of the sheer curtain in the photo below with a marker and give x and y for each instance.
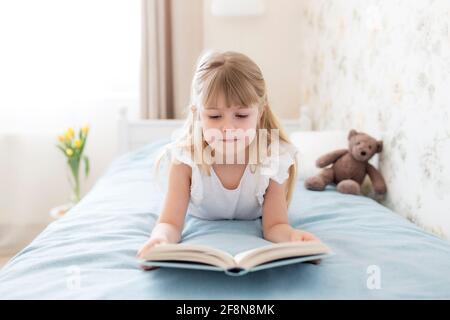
(59, 54)
(156, 61)
(172, 39)
(63, 63)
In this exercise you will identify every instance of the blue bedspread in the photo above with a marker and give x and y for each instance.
(90, 253)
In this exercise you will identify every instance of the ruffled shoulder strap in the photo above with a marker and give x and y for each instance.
(179, 154)
(276, 167)
(286, 159)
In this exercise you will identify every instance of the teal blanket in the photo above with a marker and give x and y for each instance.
(90, 253)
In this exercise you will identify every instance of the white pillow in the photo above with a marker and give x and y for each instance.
(313, 144)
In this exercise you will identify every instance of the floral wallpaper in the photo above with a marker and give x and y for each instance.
(383, 67)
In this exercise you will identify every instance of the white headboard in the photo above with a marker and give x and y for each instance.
(136, 133)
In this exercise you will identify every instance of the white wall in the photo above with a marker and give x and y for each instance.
(187, 42)
(272, 40)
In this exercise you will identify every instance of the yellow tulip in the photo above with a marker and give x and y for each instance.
(85, 129)
(62, 138)
(77, 143)
(69, 152)
(69, 133)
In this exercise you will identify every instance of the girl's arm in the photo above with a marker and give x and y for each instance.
(275, 222)
(171, 220)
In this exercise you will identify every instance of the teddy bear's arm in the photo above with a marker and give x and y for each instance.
(330, 158)
(379, 185)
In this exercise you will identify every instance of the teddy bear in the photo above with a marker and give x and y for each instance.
(350, 166)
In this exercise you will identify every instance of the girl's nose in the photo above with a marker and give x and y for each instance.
(227, 126)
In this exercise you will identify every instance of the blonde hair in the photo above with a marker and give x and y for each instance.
(241, 82)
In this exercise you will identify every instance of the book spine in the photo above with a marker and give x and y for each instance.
(236, 271)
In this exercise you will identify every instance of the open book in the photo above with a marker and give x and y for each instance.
(203, 257)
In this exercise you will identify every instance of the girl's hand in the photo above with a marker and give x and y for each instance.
(300, 235)
(146, 247)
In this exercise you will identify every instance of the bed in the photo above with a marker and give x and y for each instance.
(90, 253)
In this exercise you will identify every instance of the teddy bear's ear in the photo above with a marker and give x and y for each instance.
(352, 133)
(379, 146)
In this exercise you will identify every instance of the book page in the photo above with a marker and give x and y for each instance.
(281, 250)
(232, 243)
(192, 253)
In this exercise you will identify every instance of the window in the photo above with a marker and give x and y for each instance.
(60, 58)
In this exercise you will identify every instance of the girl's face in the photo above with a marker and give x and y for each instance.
(229, 129)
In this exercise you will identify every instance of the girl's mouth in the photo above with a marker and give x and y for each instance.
(229, 140)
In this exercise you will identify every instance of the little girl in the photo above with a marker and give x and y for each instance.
(233, 159)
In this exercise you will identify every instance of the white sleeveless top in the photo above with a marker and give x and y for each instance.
(212, 201)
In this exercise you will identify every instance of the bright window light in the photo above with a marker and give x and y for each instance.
(58, 56)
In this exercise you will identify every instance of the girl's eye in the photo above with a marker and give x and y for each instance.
(242, 115)
(214, 117)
